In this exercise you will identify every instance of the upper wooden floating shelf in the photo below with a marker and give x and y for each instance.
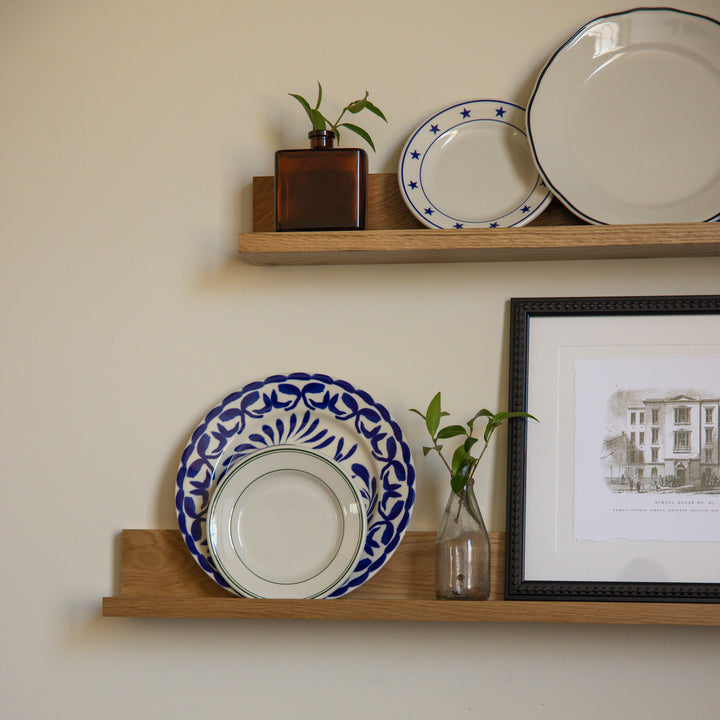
(395, 236)
(158, 578)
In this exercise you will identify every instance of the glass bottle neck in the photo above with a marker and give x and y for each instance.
(321, 139)
(466, 502)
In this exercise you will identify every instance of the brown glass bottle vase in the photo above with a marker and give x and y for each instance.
(320, 188)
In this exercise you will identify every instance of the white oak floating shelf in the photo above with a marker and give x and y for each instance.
(590, 242)
(159, 579)
(395, 236)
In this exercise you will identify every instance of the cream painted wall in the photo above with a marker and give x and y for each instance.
(129, 135)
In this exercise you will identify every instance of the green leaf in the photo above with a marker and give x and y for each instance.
(316, 117)
(359, 131)
(432, 417)
(376, 110)
(358, 105)
(459, 459)
(463, 464)
(499, 418)
(522, 415)
(458, 482)
(319, 121)
(304, 103)
(502, 416)
(319, 99)
(489, 430)
(452, 431)
(480, 413)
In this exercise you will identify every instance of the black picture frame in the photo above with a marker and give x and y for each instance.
(528, 319)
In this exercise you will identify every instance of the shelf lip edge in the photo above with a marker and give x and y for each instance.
(669, 232)
(562, 242)
(422, 610)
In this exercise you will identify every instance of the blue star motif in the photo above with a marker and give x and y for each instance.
(526, 209)
(434, 129)
(413, 185)
(493, 224)
(428, 211)
(458, 226)
(414, 154)
(465, 113)
(499, 112)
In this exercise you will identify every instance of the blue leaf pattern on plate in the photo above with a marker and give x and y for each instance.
(221, 439)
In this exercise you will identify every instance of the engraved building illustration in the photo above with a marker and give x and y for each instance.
(669, 443)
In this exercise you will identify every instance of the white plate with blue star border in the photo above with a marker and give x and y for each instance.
(470, 166)
(286, 522)
(624, 119)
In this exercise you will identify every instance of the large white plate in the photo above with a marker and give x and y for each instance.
(469, 166)
(327, 416)
(286, 522)
(623, 120)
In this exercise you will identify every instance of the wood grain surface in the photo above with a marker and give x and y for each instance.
(395, 236)
(159, 578)
(156, 562)
(385, 207)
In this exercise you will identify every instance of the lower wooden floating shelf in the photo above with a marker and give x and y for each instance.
(159, 578)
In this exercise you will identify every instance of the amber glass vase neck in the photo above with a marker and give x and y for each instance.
(321, 139)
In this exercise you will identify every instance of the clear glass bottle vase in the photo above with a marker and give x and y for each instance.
(462, 550)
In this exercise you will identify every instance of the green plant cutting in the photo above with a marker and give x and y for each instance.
(320, 121)
(463, 463)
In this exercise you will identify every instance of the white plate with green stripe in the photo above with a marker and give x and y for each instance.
(286, 522)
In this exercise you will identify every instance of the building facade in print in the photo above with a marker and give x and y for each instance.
(614, 459)
(673, 441)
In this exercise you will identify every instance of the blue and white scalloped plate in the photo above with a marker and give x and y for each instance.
(470, 166)
(326, 416)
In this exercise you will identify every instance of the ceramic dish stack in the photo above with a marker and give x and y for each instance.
(622, 127)
(296, 486)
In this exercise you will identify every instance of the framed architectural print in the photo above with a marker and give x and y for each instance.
(615, 493)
